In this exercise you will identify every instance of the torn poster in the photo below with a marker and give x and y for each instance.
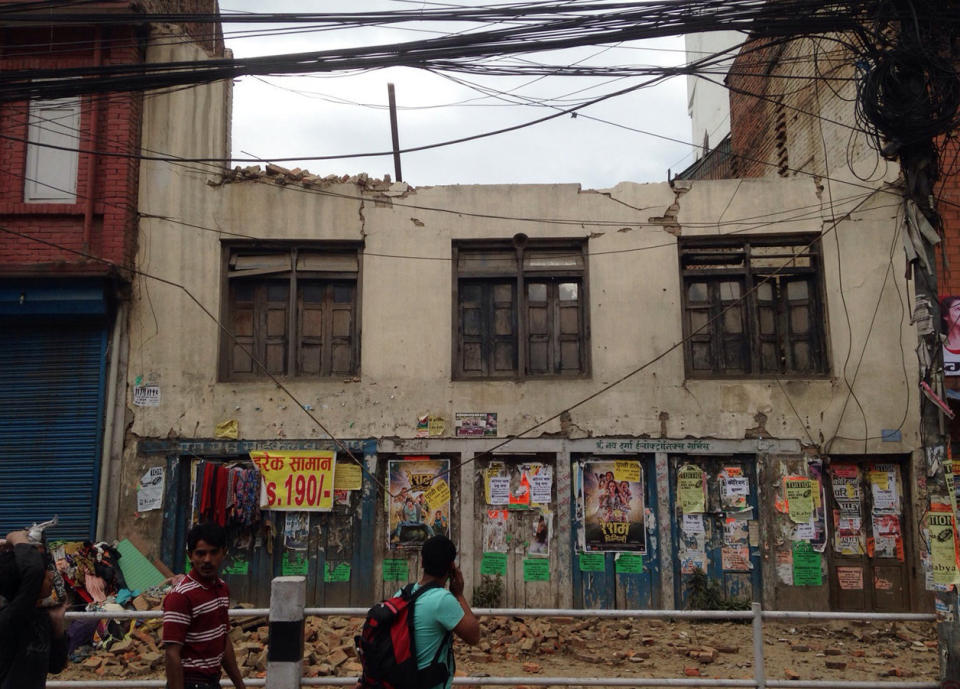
(850, 578)
(693, 560)
(150, 490)
(798, 491)
(495, 531)
(296, 530)
(691, 489)
(736, 532)
(540, 538)
(883, 483)
(735, 558)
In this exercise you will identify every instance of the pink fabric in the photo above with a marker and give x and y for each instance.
(96, 587)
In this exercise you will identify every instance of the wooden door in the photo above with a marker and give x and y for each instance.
(720, 536)
(516, 501)
(868, 569)
(615, 575)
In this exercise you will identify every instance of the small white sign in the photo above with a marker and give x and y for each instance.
(541, 487)
(806, 532)
(499, 490)
(693, 523)
(150, 490)
(737, 485)
(146, 396)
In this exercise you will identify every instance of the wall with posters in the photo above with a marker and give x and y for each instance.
(841, 534)
(418, 498)
(330, 543)
(616, 551)
(407, 396)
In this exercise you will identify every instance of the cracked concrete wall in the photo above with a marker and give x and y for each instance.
(635, 314)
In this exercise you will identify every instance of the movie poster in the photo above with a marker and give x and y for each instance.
(613, 506)
(418, 503)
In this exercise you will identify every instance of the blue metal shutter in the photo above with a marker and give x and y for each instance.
(51, 423)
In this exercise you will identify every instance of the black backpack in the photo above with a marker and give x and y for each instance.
(387, 649)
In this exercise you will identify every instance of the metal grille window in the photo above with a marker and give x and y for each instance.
(753, 306)
(520, 309)
(295, 309)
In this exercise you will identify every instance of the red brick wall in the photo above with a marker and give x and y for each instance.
(115, 192)
(752, 119)
(766, 139)
(949, 206)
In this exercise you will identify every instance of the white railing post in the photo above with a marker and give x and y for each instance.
(759, 672)
(288, 596)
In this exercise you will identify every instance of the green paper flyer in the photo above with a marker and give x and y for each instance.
(238, 566)
(336, 572)
(592, 562)
(536, 569)
(493, 564)
(395, 570)
(806, 565)
(294, 565)
(629, 563)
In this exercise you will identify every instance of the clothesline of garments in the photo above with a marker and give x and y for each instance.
(225, 494)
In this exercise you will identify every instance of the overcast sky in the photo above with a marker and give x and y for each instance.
(346, 112)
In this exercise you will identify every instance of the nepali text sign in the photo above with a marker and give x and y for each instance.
(299, 480)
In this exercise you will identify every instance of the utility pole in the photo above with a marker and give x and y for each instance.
(907, 106)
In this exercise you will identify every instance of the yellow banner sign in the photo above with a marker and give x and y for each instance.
(296, 481)
(437, 495)
(626, 471)
(943, 553)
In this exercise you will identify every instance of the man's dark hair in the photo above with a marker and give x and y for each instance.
(212, 533)
(437, 555)
(945, 305)
(9, 575)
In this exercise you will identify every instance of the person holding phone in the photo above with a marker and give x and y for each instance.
(440, 613)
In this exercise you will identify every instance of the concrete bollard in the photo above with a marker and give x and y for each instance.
(288, 596)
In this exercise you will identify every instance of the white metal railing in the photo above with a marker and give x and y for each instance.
(756, 615)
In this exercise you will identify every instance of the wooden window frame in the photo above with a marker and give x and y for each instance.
(750, 278)
(294, 326)
(520, 277)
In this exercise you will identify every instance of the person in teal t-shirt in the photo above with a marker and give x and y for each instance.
(438, 612)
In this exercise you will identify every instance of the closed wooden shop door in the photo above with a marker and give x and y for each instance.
(713, 502)
(616, 562)
(517, 529)
(868, 569)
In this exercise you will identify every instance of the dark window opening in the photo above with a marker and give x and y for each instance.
(753, 306)
(293, 311)
(521, 311)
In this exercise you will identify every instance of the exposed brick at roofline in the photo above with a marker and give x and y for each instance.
(818, 145)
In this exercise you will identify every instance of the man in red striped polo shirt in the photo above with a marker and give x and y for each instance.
(195, 620)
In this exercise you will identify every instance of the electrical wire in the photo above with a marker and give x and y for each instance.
(489, 452)
(630, 22)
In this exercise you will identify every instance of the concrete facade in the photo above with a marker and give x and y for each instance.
(656, 413)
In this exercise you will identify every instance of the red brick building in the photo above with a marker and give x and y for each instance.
(68, 227)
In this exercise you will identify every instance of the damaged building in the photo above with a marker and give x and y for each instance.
(595, 393)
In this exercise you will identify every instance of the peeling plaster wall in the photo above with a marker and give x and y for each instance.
(635, 311)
